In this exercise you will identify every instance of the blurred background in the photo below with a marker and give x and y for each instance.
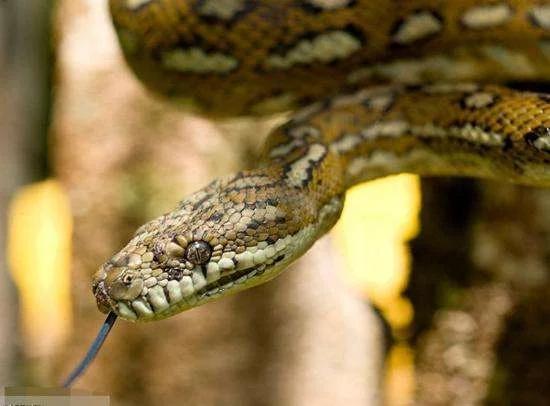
(432, 292)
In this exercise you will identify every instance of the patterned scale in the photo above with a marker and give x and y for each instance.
(377, 87)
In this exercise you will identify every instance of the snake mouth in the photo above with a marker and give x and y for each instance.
(146, 308)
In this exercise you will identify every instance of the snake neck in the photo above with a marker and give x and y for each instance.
(437, 130)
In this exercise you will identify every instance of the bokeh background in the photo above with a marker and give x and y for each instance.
(424, 293)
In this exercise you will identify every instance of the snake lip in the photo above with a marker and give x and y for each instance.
(242, 274)
(231, 278)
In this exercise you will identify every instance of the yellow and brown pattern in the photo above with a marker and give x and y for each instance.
(333, 59)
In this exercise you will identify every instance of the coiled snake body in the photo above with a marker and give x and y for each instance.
(378, 87)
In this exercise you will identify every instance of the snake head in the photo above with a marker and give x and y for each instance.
(234, 234)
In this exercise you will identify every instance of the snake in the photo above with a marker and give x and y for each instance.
(371, 88)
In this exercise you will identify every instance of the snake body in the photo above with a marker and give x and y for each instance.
(377, 87)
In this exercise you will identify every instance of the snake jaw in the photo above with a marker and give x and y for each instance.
(176, 288)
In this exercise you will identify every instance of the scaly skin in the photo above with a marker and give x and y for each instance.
(245, 229)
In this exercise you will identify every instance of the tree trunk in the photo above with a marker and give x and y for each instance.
(483, 338)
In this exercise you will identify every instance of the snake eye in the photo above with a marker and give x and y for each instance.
(127, 279)
(198, 252)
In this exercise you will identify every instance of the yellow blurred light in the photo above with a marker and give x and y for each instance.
(399, 312)
(400, 378)
(39, 247)
(378, 219)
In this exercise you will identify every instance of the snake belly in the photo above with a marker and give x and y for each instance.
(377, 87)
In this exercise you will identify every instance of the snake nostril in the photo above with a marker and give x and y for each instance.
(127, 279)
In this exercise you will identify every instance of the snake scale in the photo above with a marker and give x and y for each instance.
(376, 87)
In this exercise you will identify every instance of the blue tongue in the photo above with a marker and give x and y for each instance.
(92, 352)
